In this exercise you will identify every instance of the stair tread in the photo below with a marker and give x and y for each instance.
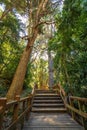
(48, 100)
(54, 104)
(47, 105)
(48, 109)
(46, 94)
(48, 97)
(39, 90)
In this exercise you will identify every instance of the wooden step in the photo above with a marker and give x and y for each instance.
(47, 98)
(45, 91)
(48, 105)
(52, 128)
(59, 110)
(46, 95)
(47, 101)
(51, 121)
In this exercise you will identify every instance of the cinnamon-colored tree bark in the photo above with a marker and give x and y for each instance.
(34, 21)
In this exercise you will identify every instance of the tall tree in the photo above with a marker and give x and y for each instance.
(35, 15)
(68, 43)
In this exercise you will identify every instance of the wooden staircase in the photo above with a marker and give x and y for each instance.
(43, 110)
(47, 101)
(49, 113)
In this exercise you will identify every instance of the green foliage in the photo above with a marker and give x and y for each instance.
(9, 59)
(69, 47)
(28, 77)
(10, 46)
(39, 72)
(10, 27)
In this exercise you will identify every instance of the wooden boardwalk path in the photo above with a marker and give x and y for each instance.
(49, 113)
(51, 121)
(43, 110)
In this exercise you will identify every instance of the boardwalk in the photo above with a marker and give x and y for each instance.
(46, 110)
(49, 113)
(51, 121)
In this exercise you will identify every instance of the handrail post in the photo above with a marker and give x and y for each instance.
(72, 112)
(16, 109)
(28, 105)
(80, 108)
(3, 105)
(23, 108)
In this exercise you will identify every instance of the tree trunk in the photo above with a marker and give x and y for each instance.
(18, 80)
(50, 67)
(17, 83)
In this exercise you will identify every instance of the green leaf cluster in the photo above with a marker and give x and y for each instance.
(70, 47)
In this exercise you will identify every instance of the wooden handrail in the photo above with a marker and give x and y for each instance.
(80, 102)
(83, 114)
(61, 90)
(78, 98)
(9, 104)
(17, 114)
(18, 119)
(25, 98)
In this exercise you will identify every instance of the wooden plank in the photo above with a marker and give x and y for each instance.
(9, 104)
(49, 109)
(44, 128)
(26, 98)
(41, 121)
(48, 101)
(18, 119)
(47, 98)
(48, 105)
(77, 111)
(78, 98)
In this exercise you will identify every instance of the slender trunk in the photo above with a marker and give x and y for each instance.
(50, 67)
(17, 83)
(18, 80)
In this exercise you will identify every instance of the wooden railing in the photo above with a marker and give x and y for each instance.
(14, 112)
(61, 91)
(76, 106)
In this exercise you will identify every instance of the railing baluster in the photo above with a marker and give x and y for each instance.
(80, 108)
(3, 105)
(28, 104)
(16, 110)
(72, 112)
(23, 108)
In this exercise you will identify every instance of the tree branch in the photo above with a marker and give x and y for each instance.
(44, 22)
